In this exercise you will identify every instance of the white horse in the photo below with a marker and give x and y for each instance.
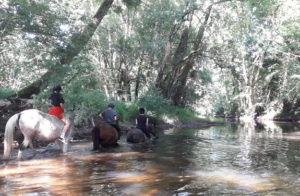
(33, 124)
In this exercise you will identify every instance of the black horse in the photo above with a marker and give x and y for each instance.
(136, 135)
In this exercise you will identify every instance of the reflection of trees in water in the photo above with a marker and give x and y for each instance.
(267, 147)
(293, 156)
(170, 163)
(277, 127)
(289, 127)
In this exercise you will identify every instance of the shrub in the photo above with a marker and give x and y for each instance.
(154, 103)
(185, 115)
(6, 92)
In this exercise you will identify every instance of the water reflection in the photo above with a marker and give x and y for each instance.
(47, 175)
(240, 179)
(230, 160)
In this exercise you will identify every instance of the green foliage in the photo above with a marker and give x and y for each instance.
(205, 76)
(6, 92)
(127, 112)
(211, 119)
(132, 3)
(248, 44)
(30, 31)
(184, 115)
(88, 101)
(219, 109)
(154, 103)
(290, 110)
(262, 8)
(78, 97)
(41, 101)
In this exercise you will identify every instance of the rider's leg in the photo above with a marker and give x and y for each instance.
(96, 136)
(65, 129)
(146, 133)
(118, 130)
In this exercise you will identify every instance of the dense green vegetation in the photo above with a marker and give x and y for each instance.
(179, 59)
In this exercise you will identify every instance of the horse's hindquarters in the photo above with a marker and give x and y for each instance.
(106, 134)
(136, 136)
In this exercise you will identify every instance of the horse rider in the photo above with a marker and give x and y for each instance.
(142, 122)
(57, 110)
(110, 117)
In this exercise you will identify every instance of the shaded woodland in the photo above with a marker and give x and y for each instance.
(233, 58)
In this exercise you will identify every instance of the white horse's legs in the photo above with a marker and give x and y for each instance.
(63, 146)
(31, 147)
(67, 138)
(20, 154)
(23, 146)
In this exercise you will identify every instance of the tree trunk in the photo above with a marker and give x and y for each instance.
(179, 87)
(176, 65)
(160, 77)
(137, 83)
(76, 44)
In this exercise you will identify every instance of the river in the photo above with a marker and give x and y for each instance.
(227, 160)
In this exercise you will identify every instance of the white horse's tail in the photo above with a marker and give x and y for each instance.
(9, 135)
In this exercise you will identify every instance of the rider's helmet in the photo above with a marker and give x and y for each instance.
(111, 105)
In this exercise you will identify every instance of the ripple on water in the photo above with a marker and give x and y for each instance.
(245, 180)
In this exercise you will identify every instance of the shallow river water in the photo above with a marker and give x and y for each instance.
(229, 160)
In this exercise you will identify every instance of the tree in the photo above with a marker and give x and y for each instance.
(77, 43)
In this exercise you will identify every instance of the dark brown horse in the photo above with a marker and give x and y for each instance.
(105, 135)
(136, 135)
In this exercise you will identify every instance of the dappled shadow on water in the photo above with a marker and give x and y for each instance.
(82, 171)
(231, 160)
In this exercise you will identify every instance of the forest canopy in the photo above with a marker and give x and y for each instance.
(216, 57)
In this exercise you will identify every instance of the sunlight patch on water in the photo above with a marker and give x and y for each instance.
(132, 177)
(109, 156)
(32, 166)
(251, 182)
(47, 175)
(139, 189)
(151, 192)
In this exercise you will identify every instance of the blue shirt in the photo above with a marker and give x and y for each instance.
(109, 116)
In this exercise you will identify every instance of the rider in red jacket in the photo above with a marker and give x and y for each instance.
(57, 110)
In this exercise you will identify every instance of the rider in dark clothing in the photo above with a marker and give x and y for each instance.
(110, 116)
(142, 122)
(57, 102)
